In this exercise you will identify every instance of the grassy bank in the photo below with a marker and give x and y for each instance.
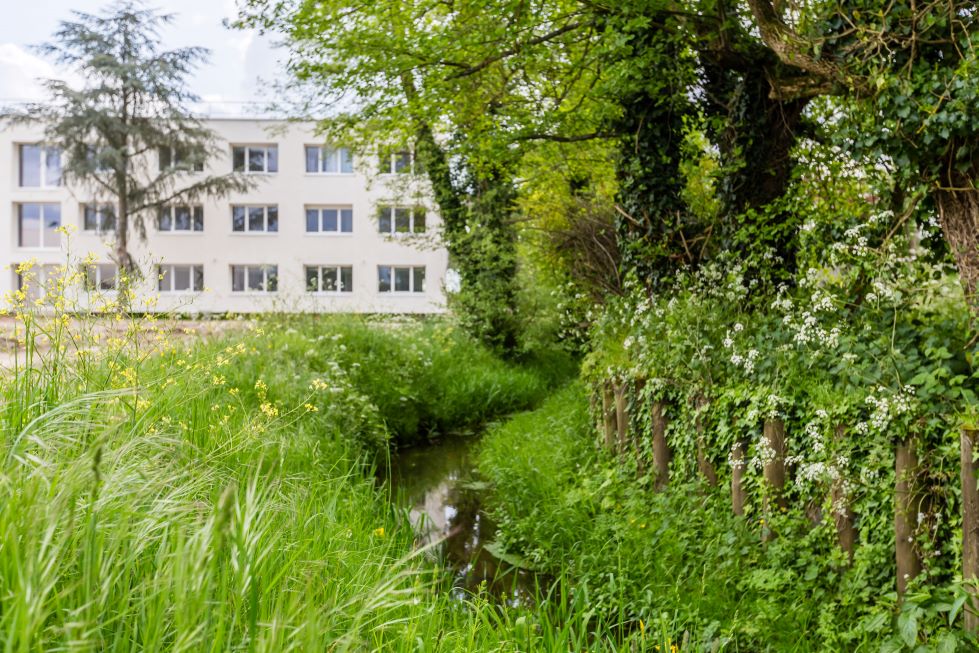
(219, 498)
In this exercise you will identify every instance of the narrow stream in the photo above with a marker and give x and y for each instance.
(437, 482)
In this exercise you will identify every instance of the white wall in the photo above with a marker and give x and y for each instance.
(217, 248)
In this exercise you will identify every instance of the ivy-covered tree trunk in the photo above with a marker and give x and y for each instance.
(970, 527)
(958, 208)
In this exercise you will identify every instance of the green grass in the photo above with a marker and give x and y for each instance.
(223, 499)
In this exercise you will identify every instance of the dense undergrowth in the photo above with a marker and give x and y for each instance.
(221, 497)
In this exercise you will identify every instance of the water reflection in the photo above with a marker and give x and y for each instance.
(438, 483)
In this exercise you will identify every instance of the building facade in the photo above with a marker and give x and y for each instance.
(323, 229)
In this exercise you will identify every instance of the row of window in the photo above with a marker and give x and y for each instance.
(40, 166)
(38, 223)
(255, 278)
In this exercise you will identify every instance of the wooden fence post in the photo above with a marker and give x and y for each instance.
(661, 448)
(846, 533)
(906, 504)
(621, 416)
(970, 528)
(637, 433)
(703, 463)
(737, 478)
(608, 416)
(773, 433)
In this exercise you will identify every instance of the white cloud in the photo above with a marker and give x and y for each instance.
(20, 71)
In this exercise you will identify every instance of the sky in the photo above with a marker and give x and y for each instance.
(227, 82)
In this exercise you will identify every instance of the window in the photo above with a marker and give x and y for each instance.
(180, 218)
(38, 225)
(177, 158)
(255, 158)
(401, 220)
(398, 162)
(400, 279)
(329, 278)
(254, 278)
(40, 167)
(255, 219)
(99, 218)
(37, 281)
(329, 219)
(180, 278)
(329, 160)
(100, 276)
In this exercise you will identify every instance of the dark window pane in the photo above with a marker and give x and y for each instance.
(256, 278)
(52, 222)
(347, 220)
(329, 219)
(402, 279)
(237, 278)
(181, 218)
(181, 277)
(273, 278)
(107, 277)
(108, 218)
(384, 220)
(402, 162)
(256, 218)
(165, 161)
(273, 213)
(346, 160)
(312, 278)
(419, 221)
(237, 218)
(198, 218)
(163, 272)
(164, 222)
(91, 219)
(273, 154)
(52, 167)
(312, 220)
(238, 159)
(256, 159)
(30, 165)
(312, 158)
(402, 221)
(347, 279)
(30, 225)
(419, 279)
(198, 277)
(384, 278)
(330, 279)
(330, 163)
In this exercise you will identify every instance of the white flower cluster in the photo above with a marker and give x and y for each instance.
(886, 409)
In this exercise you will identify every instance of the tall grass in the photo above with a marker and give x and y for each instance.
(157, 497)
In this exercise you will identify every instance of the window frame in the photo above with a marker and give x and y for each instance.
(321, 160)
(339, 267)
(320, 231)
(100, 214)
(42, 229)
(173, 231)
(45, 151)
(387, 162)
(175, 161)
(248, 147)
(412, 291)
(246, 267)
(94, 283)
(413, 211)
(171, 269)
(44, 275)
(248, 231)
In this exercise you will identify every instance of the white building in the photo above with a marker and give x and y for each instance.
(323, 230)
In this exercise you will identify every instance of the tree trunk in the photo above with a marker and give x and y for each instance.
(774, 436)
(621, 417)
(737, 478)
(661, 448)
(970, 528)
(843, 517)
(608, 416)
(637, 433)
(959, 213)
(906, 504)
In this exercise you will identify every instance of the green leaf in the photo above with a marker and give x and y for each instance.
(907, 627)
